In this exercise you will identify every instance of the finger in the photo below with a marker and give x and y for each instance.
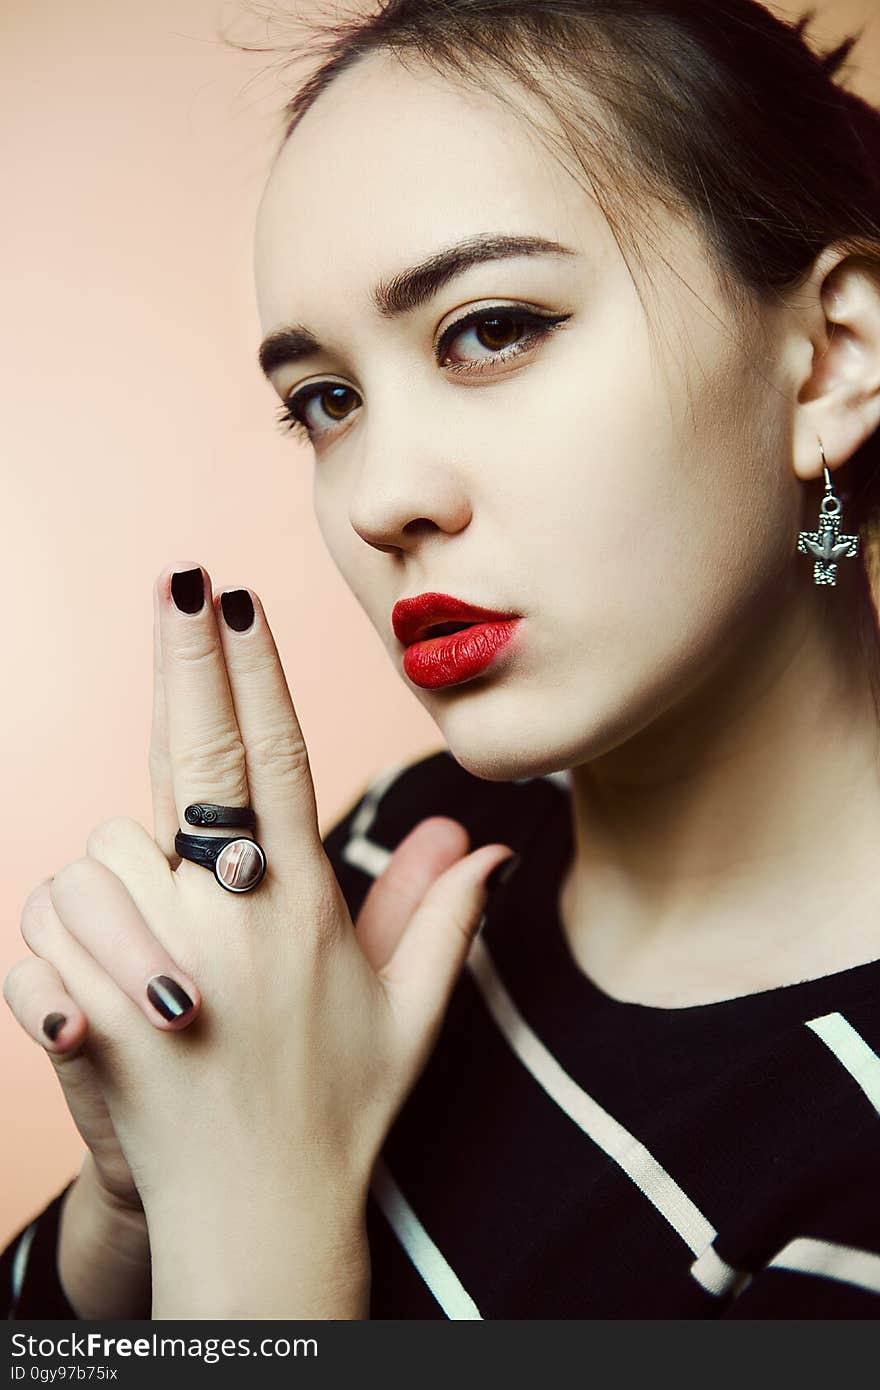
(431, 847)
(95, 908)
(204, 741)
(40, 1003)
(92, 990)
(278, 770)
(129, 850)
(165, 823)
(422, 971)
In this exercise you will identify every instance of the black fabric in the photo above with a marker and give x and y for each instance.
(739, 1106)
(568, 1155)
(41, 1294)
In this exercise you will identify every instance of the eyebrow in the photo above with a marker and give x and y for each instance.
(409, 289)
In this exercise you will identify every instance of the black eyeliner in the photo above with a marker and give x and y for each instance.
(538, 323)
(507, 313)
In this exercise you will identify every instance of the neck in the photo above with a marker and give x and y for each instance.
(730, 846)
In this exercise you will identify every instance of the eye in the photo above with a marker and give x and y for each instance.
(502, 332)
(335, 399)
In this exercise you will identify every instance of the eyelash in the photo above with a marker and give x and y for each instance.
(539, 326)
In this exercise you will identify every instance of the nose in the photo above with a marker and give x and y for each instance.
(405, 492)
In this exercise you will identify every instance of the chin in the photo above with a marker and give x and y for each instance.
(514, 736)
(505, 754)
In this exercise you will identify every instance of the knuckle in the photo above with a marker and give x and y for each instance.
(257, 662)
(217, 759)
(197, 649)
(37, 895)
(116, 830)
(36, 916)
(72, 881)
(282, 754)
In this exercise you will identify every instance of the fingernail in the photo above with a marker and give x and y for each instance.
(238, 609)
(166, 995)
(188, 590)
(502, 872)
(52, 1025)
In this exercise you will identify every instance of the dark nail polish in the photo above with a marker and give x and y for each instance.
(52, 1025)
(166, 995)
(188, 590)
(238, 609)
(502, 872)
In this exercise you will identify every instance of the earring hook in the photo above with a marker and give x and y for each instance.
(825, 466)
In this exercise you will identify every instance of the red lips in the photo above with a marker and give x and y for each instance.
(434, 659)
(412, 617)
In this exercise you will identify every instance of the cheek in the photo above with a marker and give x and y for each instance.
(656, 535)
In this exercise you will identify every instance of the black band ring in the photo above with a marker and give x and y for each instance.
(204, 813)
(238, 862)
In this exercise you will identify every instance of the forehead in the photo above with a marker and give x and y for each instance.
(387, 166)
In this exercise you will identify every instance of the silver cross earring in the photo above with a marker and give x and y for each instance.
(826, 545)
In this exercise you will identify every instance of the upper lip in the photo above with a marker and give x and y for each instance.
(411, 617)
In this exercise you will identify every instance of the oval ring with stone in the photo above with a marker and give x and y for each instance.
(238, 863)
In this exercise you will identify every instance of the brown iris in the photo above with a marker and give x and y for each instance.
(503, 330)
(337, 398)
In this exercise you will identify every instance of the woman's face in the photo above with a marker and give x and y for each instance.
(633, 509)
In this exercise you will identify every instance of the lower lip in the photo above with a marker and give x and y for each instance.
(439, 661)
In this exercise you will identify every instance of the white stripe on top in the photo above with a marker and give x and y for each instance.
(431, 1264)
(609, 1134)
(710, 1271)
(843, 1262)
(851, 1050)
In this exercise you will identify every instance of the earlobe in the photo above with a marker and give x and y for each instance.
(840, 401)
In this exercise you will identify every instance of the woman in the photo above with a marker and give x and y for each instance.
(649, 1086)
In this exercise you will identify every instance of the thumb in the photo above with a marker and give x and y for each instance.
(423, 854)
(420, 975)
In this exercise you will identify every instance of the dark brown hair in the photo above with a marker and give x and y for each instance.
(716, 108)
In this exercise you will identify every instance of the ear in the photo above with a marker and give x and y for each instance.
(838, 396)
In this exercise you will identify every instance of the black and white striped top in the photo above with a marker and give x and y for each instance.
(568, 1155)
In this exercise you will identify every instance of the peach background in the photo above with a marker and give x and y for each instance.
(138, 431)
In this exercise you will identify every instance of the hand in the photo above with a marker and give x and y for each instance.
(252, 1135)
(36, 990)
